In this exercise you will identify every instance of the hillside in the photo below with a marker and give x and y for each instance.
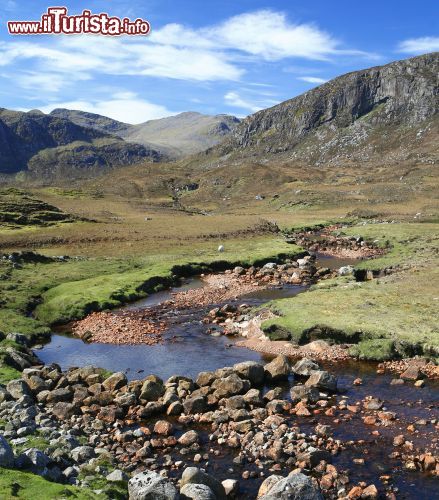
(385, 113)
(52, 146)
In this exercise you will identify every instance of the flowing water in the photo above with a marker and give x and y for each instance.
(189, 348)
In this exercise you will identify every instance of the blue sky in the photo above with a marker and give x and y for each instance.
(211, 56)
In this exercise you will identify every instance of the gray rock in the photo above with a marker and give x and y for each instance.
(197, 492)
(230, 386)
(346, 271)
(152, 390)
(193, 475)
(196, 404)
(18, 388)
(303, 393)
(322, 380)
(82, 454)
(115, 381)
(278, 369)
(36, 458)
(151, 486)
(116, 476)
(6, 453)
(304, 367)
(252, 371)
(293, 487)
(231, 487)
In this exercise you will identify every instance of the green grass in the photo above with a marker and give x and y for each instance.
(26, 486)
(401, 307)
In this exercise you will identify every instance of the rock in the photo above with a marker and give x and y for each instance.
(231, 487)
(253, 397)
(116, 476)
(18, 388)
(229, 386)
(419, 383)
(196, 404)
(252, 371)
(192, 475)
(151, 486)
(115, 381)
(189, 438)
(322, 380)
(373, 404)
(313, 456)
(278, 369)
(205, 378)
(63, 411)
(268, 484)
(197, 492)
(163, 427)
(370, 492)
(293, 487)
(304, 367)
(36, 458)
(346, 271)
(152, 390)
(6, 453)
(411, 373)
(398, 440)
(243, 426)
(175, 408)
(82, 454)
(61, 394)
(318, 346)
(303, 393)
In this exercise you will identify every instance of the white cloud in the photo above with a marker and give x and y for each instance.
(132, 110)
(312, 79)
(234, 99)
(419, 45)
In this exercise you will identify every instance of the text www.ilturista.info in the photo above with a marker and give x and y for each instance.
(56, 21)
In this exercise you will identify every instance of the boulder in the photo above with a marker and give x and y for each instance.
(278, 369)
(293, 487)
(63, 411)
(229, 386)
(6, 453)
(205, 378)
(116, 476)
(115, 381)
(151, 486)
(197, 492)
(268, 484)
(82, 453)
(303, 393)
(196, 404)
(305, 367)
(18, 388)
(252, 371)
(192, 475)
(36, 458)
(322, 380)
(152, 390)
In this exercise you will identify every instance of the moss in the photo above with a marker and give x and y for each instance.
(377, 350)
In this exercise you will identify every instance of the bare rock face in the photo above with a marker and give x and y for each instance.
(341, 118)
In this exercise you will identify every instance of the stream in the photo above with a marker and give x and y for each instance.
(188, 349)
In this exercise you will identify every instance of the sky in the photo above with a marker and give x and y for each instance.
(211, 56)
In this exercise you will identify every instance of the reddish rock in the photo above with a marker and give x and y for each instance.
(163, 428)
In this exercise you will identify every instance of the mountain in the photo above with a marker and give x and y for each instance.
(175, 136)
(385, 113)
(47, 145)
(183, 134)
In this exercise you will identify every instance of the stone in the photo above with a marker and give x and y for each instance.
(205, 378)
(116, 476)
(63, 411)
(346, 271)
(61, 394)
(313, 456)
(189, 438)
(229, 386)
(36, 458)
(115, 381)
(82, 453)
(152, 390)
(151, 486)
(278, 369)
(303, 393)
(175, 408)
(252, 371)
(293, 487)
(253, 397)
(318, 346)
(411, 373)
(163, 427)
(197, 492)
(304, 367)
(196, 404)
(193, 475)
(231, 487)
(18, 388)
(6, 453)
(370, 492)
(373, 404)
(322, 380)
(268, 484)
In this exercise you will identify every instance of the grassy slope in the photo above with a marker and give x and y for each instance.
(15, 484)
(401, 306)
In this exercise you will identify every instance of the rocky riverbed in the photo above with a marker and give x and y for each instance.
(233, 432)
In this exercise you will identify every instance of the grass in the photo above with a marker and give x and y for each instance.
(26, 486)
(401, 307)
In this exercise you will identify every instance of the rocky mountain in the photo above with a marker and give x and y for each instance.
(383, 113)
(175, 136)
(51, 145)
